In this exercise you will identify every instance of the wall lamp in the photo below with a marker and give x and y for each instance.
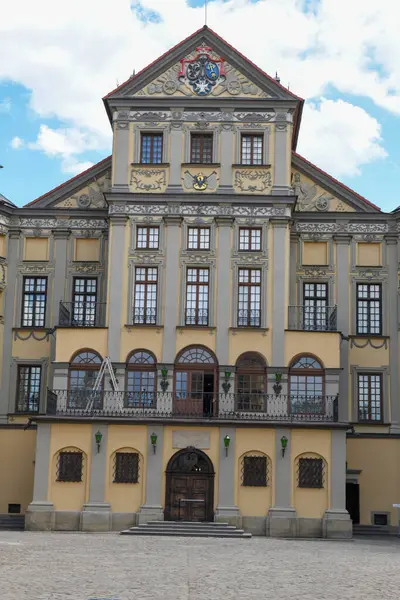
(153, 439)
(226, 386)
(284, 443)
(227, 441)
(98, 437)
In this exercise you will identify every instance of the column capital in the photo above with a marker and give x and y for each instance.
(342, 238)
(224, 221)
(173, 220)
(14, 233)
(391, 239)
(61, 234)
(118, 220)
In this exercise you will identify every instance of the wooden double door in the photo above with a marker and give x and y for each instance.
(189, 487)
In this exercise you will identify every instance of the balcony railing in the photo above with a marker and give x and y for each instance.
(196, 316)
(313, 318)
(169, 405)
(82, 314)
(144, 316)
(249, 318)
(27, 402)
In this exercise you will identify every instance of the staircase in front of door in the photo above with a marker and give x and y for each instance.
(187, 529)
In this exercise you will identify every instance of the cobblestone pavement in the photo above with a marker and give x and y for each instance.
(68, 566)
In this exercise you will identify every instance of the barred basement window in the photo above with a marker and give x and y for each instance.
(310, 473)
(126, 467)
(69, 466)
(255, 471)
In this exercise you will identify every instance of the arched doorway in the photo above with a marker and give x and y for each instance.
(195, 381)
(189, 494)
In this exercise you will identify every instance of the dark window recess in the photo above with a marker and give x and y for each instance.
(34, 301)
(28, 394)
(369, 309)
(310, 473)
(252, 150)
(69, 466)
(126, 467)
(14, 509)
(151, 148)
(201, 148)
(254, 471)
(381, 519)
(369, 397)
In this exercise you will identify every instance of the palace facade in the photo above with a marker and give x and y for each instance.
(248, 303)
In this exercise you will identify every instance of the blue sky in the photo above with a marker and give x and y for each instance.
(53, 124)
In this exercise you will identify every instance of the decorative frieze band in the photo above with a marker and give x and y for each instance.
(361, 228)
(197, 117)
(200, 209)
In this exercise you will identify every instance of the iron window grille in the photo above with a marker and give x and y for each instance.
(34, 301)
(310, 473)
(70, 466)
(126, 467)
(145, 304)
(28, 392)
(249, 239)
(369, 397)
(252, 149)
(147, 238)
(198, 238)
(369, 308)
(255, 471)
(201, 147)
(151, 148)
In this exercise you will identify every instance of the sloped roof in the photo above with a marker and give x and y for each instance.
(6, 201)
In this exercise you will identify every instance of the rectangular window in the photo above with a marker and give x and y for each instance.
(198, 238)
(197, 289)
(147, 238)
(249, 301)
(254, 471)
(69, 466)
(369, 397)
(84, 302)
(151, 148)
(311, 473)
(201, 148)
(315, 313)
(28, 388)
(249, 239)
(126, 467)
(369, 308)
(252, 149)
(145, 304)
(34, 301)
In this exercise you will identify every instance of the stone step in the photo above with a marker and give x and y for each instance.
(188, 524)
(12, 522)
(210, 530)
(184, 533)
(371, 530)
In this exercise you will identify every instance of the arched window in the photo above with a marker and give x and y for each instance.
(83, 370)
(195, 381)
(306, 385)
(251, 370)
(141, 375)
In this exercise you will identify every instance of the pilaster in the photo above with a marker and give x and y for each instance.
(392, 253)
(121, 157)
(226, 510)
(343, 319)
(336, 522)
(40, 513)
(226, 160)
(14, 236)
(279, 295)
(152, 509)
(172, 272)
(176, 157)
(223, 318)
(282, 151)
(96, 513)
(282, 516)
(117, 270)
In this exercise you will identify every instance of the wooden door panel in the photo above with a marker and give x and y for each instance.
(179, 490)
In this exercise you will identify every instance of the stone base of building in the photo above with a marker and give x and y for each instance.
(336, 524)
(40, 516)
(150, 513)
(92, 518)
(228, 514)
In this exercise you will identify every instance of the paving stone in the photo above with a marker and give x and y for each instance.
(80, 566)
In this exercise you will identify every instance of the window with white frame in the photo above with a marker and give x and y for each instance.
(145, 296)
(197, 296)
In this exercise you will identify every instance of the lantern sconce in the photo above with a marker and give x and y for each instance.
(164, 383)
(284, 443)
(153, 439)
(227, 441)
(98, 437)
(226, 385)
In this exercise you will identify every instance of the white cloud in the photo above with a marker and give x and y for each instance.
(17, 143)
(5, 105)
(72, 56)
(340, 137)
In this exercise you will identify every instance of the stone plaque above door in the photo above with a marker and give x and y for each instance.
(197, 439)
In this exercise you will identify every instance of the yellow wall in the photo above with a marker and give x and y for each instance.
(68, 436)
(30, 348)
(3, 245)
(249, 341)
(141, 337)
(69, 341)
(323, 345)
(369, 254)
(315, 253)
(87, 249)
(125, 497)
(379, 461)
(310, 503)
(36, 248)
(212, 452)
(17, 465)
(254, 501)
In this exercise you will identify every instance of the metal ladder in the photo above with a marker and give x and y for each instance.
(106, 364)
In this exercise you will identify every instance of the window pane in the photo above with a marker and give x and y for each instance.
(34, 301)
(201, 148)
(252, 149)
(151, 148)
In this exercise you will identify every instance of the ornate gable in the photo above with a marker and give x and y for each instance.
(201, 73)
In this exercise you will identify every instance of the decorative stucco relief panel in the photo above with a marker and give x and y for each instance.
(148, 180)
(89, 197)
(202, 73)
(252, 181)
(312, 197)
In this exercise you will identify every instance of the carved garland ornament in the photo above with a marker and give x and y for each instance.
(141, 179)
(253, 181)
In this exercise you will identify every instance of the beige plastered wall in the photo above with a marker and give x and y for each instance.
(17, 465)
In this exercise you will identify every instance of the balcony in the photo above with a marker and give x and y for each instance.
(249, 318)
(82, 314)
(167, 405)
(312, 318)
